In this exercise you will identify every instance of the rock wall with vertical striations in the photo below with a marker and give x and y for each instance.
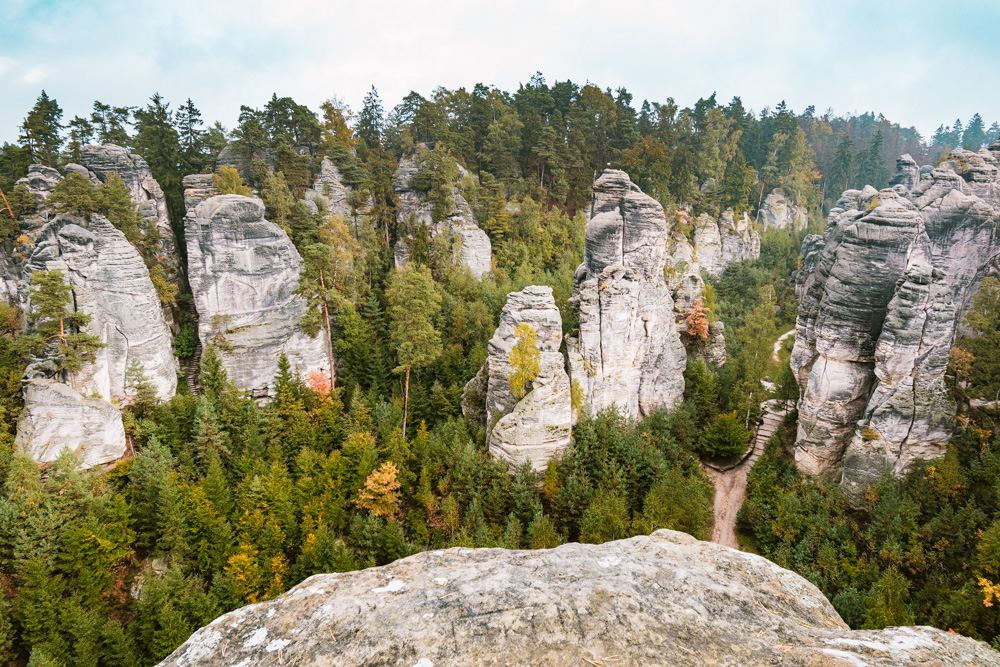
(628, 352)
(111, 284)
(538, 426)
(881, 295)
(243, 271)
(149, 199)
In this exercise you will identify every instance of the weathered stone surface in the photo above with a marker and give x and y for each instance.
(911, 414)
(330, 190)
(666, 599)
(56, 416)
(880, 299)
(40, 181)
(198, 188)
(243, 271)
(778, 212)
(907, 173)
(538, 426)
(628, 352)
(111, 284)
(150, 201)
(457, 234)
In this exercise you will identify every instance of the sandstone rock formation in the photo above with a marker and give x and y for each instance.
(56, 416)
(628, 352)
(111, 284)
(329, 190)
(40, 181)
(150, 201)
(717, 244)
(198, 188)
(777, 212)
(881, 295)
(243, 271)
(666, 599)
(686, 294)
(467, 243)
(907, 173)
(538, 426)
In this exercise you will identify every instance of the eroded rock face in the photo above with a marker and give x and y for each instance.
(880, 299)
(40, 181)
(778, 212)
(907, 173)
(330, 190)
(56, 416)
(538, 426)
(243, 271)
(198, 188)
(111, 284)
(150, 201)
(467, 243)
(666, 599)
(628, 352)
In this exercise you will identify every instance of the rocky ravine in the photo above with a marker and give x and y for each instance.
(881, 295)
(243, 271)
(628, 352)
(666, 599)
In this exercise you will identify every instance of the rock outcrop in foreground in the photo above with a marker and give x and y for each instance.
(628, 352)
(243, 271)
(666, 599)
(881, 295)
(539, 425)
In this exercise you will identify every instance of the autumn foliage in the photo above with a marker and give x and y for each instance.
(697, 320)
(380, 495)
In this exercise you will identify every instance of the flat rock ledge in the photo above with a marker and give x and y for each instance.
(666, 599)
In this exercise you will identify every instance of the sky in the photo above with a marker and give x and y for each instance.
(918, 62)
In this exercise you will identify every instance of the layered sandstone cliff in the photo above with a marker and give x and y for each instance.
(881, 295)
(628, 352)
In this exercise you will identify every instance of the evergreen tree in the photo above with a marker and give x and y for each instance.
(871, 169)
(157, 141)
(111, 123)
(414, 302)
(841, 169)
(371, 120)
(191, 139)
(40, 130)
(81, 133)
(50, 300)
(974, 136)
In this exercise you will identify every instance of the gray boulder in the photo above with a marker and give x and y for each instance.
(538, 426)
(243, 271)
(628, 352)
(666, 599)
(56, 416)
(457, 234)
(907, 173)
(111, 284)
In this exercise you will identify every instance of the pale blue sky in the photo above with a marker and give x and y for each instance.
(918, 62)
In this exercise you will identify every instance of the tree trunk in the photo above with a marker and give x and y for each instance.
(406, 400)
(329, 334)
(7, 203)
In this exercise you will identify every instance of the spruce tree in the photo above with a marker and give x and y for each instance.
(40, 130)
(54, 322)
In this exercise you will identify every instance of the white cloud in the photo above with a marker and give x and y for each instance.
(34, 74)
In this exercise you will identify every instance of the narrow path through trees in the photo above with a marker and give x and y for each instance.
(731, 483)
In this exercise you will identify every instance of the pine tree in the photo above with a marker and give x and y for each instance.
(111, 123)
(371, 120)
(157, 141)
(40, 130)
(840, 170)
(317, 271)
(414, 302)
(50, 300)
(81, 133)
